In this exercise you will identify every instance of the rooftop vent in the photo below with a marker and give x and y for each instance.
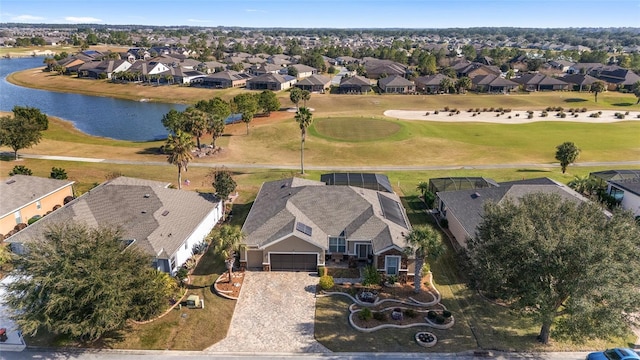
(146, 196)
(11, 181)
(475, 195)
(165, 213)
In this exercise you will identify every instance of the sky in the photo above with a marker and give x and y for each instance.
(329, 13)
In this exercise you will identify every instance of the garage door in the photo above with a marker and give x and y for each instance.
(289, 262)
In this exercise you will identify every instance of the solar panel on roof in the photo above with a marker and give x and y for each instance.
(392, 211)
(303, 228)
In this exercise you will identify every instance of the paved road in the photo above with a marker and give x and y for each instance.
(192, 355)
(327, 167)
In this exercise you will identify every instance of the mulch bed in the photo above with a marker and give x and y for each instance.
(230, 288)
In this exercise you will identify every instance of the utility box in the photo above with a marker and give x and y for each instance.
(193, 302)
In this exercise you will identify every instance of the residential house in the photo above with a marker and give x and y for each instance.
(224, 79)
(303, 71)
(104, 69)
(618, 78)
(25, 197)
(579, 82)
(562, 65)
(622, 185)
(210, 67)
(181, 75)
(354, 85)
(430, 84)
(584, 68)
(145, 68)
(165, 223)
(346, 60)
(396, 84)
(492, 84)
(472, 69)
(299, 224)
(314, 83)
(463, 209)
(377, 69)
(540, 82)
(271, 81)
(261, 69)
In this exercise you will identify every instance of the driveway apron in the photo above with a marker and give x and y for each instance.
(274, 313)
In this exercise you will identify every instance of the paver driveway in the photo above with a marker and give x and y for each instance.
(275, 313)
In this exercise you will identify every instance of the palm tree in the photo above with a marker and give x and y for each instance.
(583, 184)
(304, 118)
(196, 122)
(306, 96)
(463, 84)
(295, 95)
(445, 85)
(423, 187)
(424, 241)
(179, 148)
(598, 87)
(228, 240)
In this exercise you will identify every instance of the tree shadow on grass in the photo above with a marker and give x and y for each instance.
(623, 104)
(150, 151)
(575, 100)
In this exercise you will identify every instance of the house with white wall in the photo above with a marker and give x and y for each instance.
(165, 223)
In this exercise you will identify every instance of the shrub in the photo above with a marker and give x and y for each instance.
(410, 313)
(380, 316)
(491, 109)
(199, 248)
(549, 108)
(458, 112)
(563, 115)
(584, 109)
(365, 314)
(446, 108)
(518, 114)
(477, 109)
(436, 112)
(20, 170)
(446, 314)
(431, 314)
(182, 273)
(439, 319)
(530, 116)
(427, 113)
(326, 282)
(509, 116)
(474, 114)
(626, 113)
(190, 263)
(544, 114)
(470, 110)
(529, 112)
(371, 276)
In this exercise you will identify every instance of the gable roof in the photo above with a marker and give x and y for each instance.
(538, 79)
(468, 205)
(431, 80)
(271, 78)
(492, 80)
(158, 218)
(21, 190)
(303, 68)
(579, 79)
(314, 79)
(394, 80)
(355, 213)
(356, 80)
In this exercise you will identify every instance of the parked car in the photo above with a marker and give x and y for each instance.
(614, 354)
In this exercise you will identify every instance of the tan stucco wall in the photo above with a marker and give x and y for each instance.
(254, 258)
(8, 222)
(292, 245)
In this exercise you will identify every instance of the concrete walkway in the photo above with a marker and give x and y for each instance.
(275, 313)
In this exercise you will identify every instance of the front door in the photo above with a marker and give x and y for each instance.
(363, 250)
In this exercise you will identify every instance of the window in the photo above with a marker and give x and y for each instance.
(616, 193)
(337, 245)
(38, 205)
(392, 264)
(18, 217)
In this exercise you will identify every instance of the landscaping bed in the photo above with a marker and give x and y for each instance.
(229, 289)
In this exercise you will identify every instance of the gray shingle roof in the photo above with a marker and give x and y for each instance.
(158, 218)
(20, 190)
(315, 79)
(352, 212)
(468, 205)
(394, 80)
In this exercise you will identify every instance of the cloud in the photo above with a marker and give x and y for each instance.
(198, 21)
(256, 10)
(27, 18)
(82, 19)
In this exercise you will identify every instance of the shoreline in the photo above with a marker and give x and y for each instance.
(514, 117)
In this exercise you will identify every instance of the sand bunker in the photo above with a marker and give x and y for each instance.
(514, 117)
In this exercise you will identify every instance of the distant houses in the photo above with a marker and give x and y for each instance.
(172, 65)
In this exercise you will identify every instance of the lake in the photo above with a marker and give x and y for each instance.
(94, 115)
